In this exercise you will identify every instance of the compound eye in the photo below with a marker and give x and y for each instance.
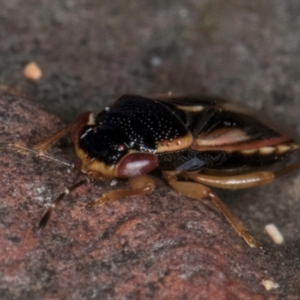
(135, 164)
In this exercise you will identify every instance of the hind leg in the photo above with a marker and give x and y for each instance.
(200, 192)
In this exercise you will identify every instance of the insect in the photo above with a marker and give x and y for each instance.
(196, 142)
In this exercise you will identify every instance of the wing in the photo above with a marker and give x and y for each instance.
(220, 125)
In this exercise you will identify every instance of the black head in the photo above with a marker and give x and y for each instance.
(106, 151)
(105, 144)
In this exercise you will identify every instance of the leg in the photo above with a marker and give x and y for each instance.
(198, 191)
(44, 145)
(138, 185)
(242, 181)
(293, 167)
(233, 182)
(10, 90)
(43, 222)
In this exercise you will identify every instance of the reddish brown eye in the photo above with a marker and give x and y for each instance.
(135, 164)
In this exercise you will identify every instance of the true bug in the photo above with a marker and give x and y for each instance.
(196, 142)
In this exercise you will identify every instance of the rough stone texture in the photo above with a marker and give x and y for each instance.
(92, 51)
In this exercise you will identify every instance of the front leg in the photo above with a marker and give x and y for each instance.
(200, 192)
(40, 148)
(45, 144)
(138, 185)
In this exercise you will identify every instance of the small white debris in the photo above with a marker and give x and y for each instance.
(113, 182)
(32, 71)
(274, 233)
(269, 284)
